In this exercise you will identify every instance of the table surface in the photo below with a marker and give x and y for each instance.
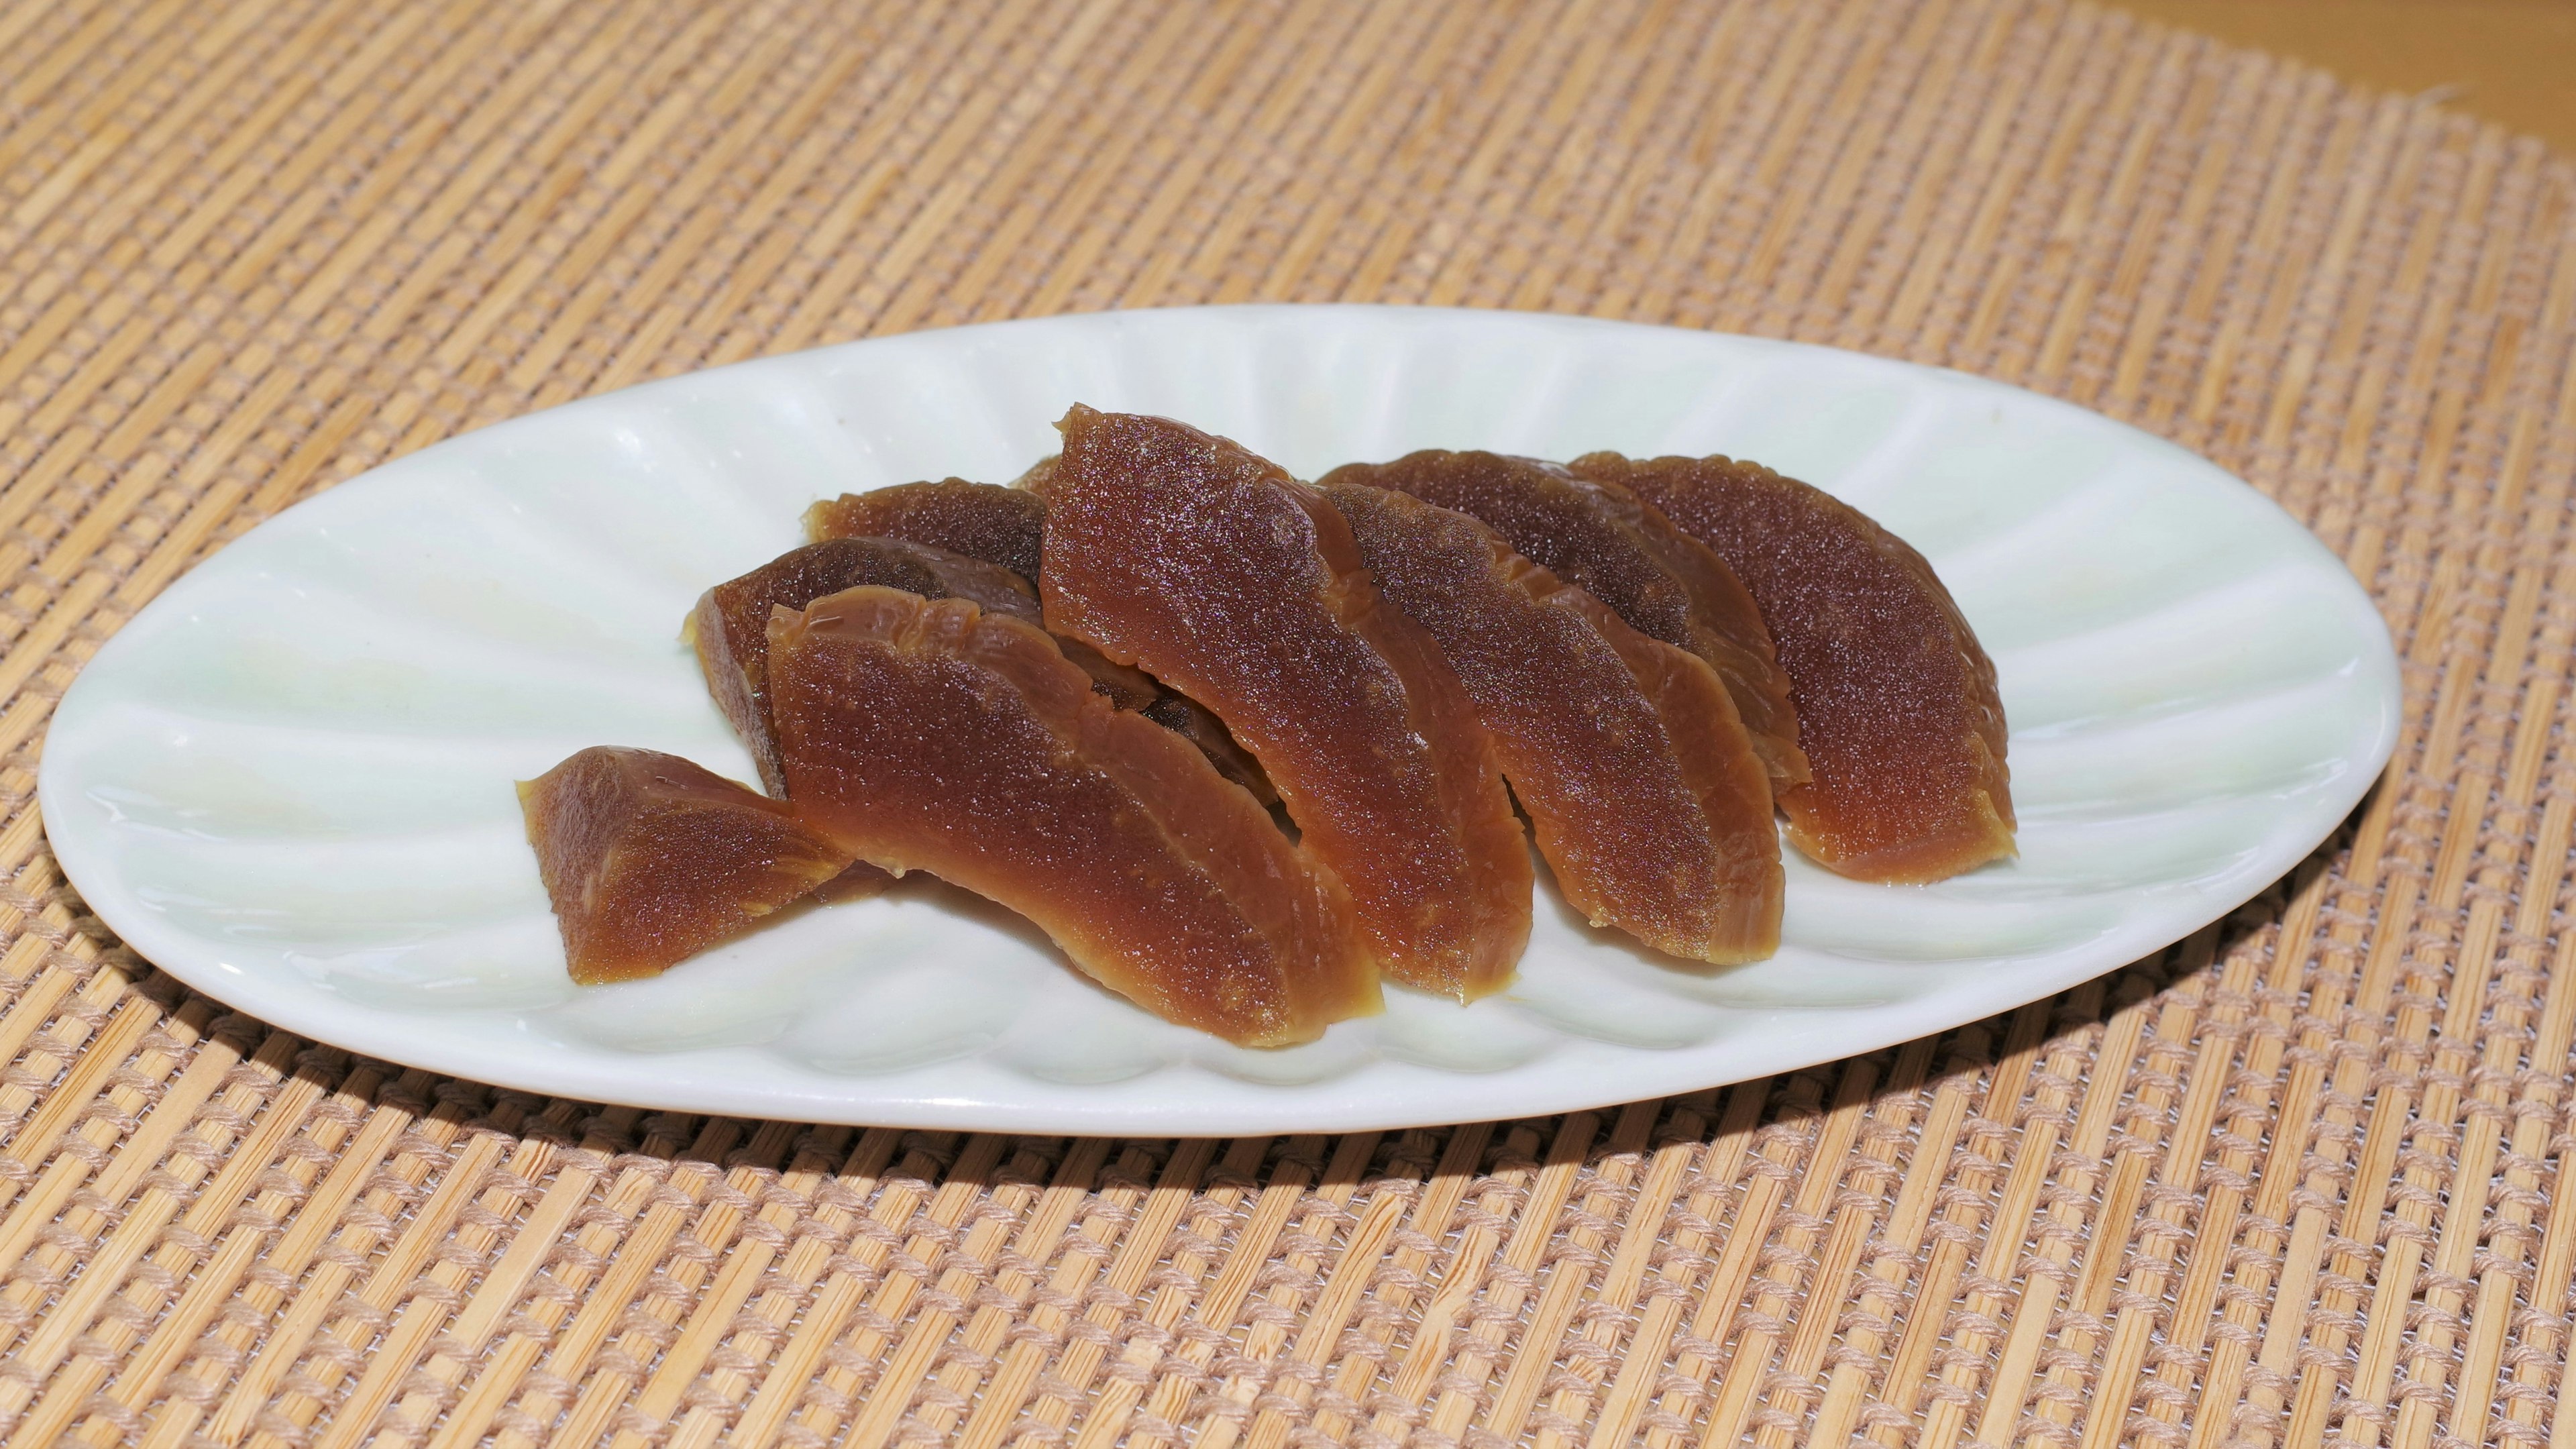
(2509, 61)
(2302, 1176)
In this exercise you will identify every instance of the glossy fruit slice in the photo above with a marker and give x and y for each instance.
(980, 520)
(730, 625)
(1006, 526)
(1641, 784)
(1215, 571)
(1601, 538)
(934, 736)
(1897, 706)
(650, 859)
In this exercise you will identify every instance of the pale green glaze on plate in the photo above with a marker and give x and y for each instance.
(288, 781)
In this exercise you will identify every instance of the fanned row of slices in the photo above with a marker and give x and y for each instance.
(1242, 744)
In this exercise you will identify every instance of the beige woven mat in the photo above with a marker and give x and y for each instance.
(2304, 1178)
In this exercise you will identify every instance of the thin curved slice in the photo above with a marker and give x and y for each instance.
(650, 859)
(1601, 538)
(1212, 569)
(1897, 705)
(1641, 784)
(1007, 526)
(730, 626)
(980, 520)
(933, 736)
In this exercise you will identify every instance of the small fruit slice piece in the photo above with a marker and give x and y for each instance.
(730, 626)
(1602, 539)
(931, 735)
(980, 520)
(1213, 570)
(1641, 784)
(650, 859)
(1897, 705)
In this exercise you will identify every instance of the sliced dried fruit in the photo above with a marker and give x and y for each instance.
(1215, 571)
(1641, 784)
(980, 520)
(1897, 706)
(1006, 526)
(650, 859)
(1599, 537)
(730, 625)
(934, 736)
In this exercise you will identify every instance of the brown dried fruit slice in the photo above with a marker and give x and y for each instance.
(934, 736)
(730, 625)
(1214, 570)
(1602, 538)
(980, 520)
(1897, 706)
(650, 859)
(1006, 526)
(1641, 784)
(1001, 526)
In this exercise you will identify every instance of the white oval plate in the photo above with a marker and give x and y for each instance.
(288, 781)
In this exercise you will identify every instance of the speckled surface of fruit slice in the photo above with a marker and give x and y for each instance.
(730, 625)
(1005, 526)
(933, 736)
(1602, 538)
(1212, 569)
(1641, 784)
(999, 525)
(1897, 704)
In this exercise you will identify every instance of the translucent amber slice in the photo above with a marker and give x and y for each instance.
(1641, 784)
(934, 736)
(1600, 537)
(730, 625)
(1897, 707)
(980, 520)
(650, 859)
(1216, 572)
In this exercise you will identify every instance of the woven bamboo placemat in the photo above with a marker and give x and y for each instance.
(2302, 1178)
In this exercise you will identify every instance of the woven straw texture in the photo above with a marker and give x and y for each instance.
(2304, 1178)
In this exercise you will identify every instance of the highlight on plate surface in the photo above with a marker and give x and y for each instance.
(1244, 746)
